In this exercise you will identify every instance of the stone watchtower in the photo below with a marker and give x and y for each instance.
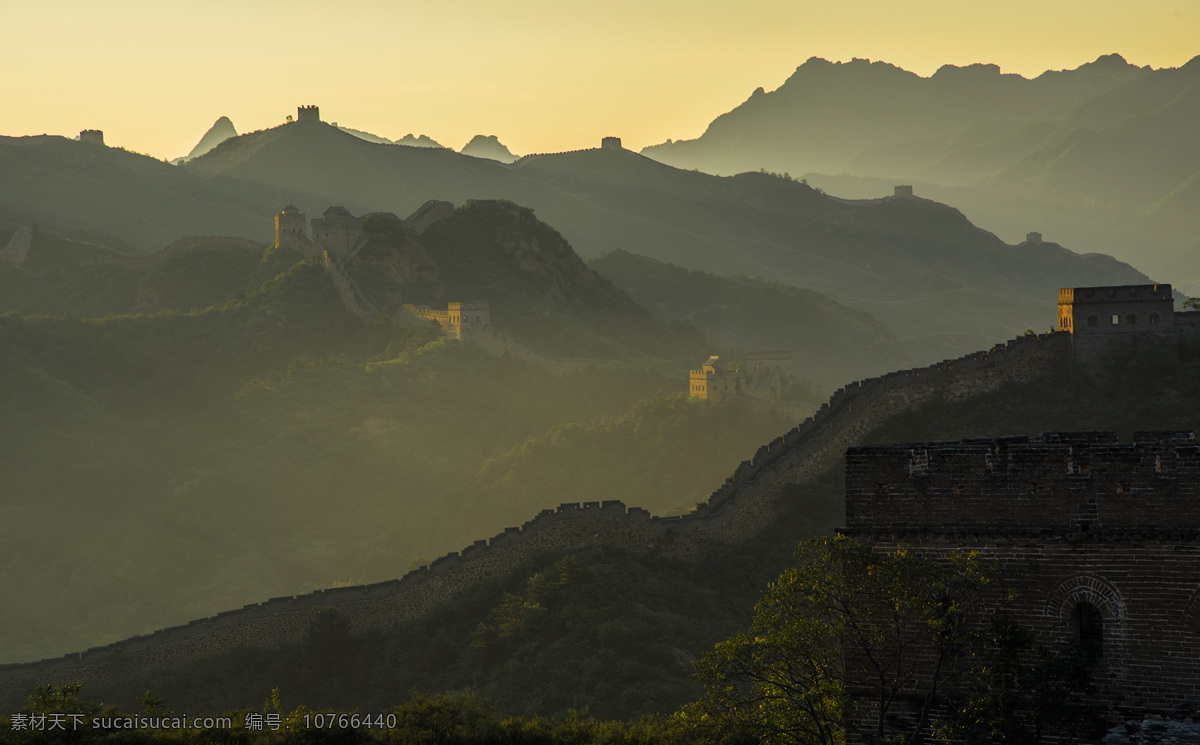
(92, 135)
(308, 113)
(1099, 539)
(713, 381)
(903, 190)
(291, 229)
(467, 318)
(336, 232)
(611, 143)
(1099, 316)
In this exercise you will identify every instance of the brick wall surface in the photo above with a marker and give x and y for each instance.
(1069, 518)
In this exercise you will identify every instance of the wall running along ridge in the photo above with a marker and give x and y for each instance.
(745, 504)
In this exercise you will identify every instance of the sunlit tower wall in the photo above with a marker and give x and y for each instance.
(468, 317)
(1098, 317)
(291, 229)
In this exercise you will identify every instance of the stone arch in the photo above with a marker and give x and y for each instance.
(1100, 593)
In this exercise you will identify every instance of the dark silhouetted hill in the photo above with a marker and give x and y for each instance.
(62, 184)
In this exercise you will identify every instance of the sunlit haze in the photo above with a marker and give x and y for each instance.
(543, 76)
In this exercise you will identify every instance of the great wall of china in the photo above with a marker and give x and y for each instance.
(747, 502)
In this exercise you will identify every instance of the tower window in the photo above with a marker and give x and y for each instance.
(1131, 319)
(1116, 319)
(1153, 319)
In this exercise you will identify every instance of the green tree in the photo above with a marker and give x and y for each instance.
(1019, 693)
(894, 623)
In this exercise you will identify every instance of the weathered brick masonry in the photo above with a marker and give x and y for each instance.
(1099, 538)
(744, 505)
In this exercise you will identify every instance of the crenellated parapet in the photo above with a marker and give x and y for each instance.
(1054, 483)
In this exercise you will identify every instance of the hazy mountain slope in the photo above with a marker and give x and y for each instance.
(602, 200)
(220, 131)
(489, 147)
(421, 141)
(59, 183)
(827, 112)
(832, 343)
(366, 136)
(1123, 153)
(1081, 155)
(751, 224)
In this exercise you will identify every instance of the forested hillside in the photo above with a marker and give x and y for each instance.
(222, 429)
(617, 633)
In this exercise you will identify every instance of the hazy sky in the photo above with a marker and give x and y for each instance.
(543, 75)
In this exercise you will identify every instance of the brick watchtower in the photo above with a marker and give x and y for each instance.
(308, 114)
(1098, 316)
(291, 229)
(1099, 539)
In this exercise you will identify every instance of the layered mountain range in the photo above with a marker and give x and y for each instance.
(943, 285)
(1105, 157)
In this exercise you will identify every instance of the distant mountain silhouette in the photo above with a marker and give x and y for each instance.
(488, 146)
(827, 112)
(941, 284)
(408, 139)
(420, 141)
(1099, 156)
(220, 131)
(366, 136)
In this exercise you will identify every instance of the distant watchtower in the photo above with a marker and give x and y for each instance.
(611, 143)
(336, 232)
(466, 318)
(291, 229)
(1033, 238)
(92, 135)
(308, 113)
(903, 190)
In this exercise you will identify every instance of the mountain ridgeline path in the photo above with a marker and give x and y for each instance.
(745, 504)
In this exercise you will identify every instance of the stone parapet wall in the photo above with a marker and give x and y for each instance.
(748, 502)
(1064, 481)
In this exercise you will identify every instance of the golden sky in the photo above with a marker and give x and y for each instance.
(542, 75)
